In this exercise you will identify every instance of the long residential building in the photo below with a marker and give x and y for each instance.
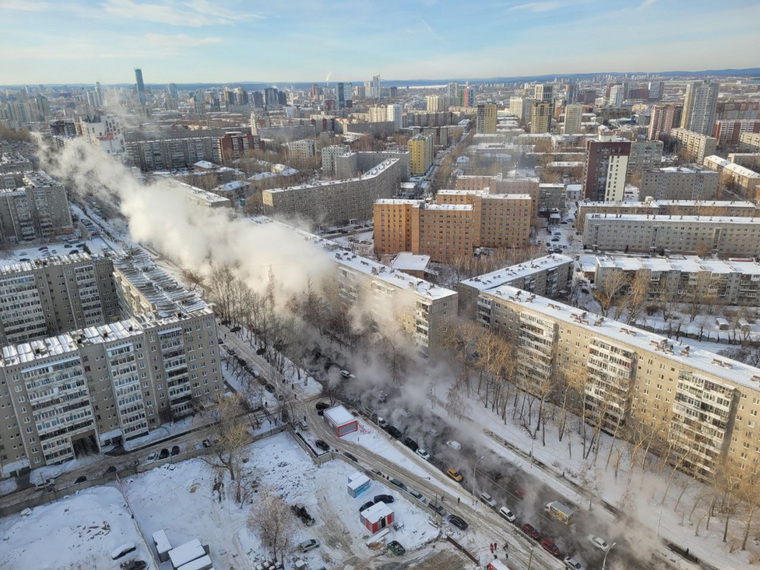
(749, 142)
(171, 154)
(740, 179)
(452, 227)
(694, 182)
(649, 206)
(32, 206)
(500, 184)
(622, 375)
(336, 202)
(111, 380)
(687, 279)
(549, 276)
(700, 235)
(695, 147)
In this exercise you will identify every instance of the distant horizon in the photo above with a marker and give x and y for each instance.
(752, 72)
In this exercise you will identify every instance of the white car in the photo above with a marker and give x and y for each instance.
(454, 444)
(307, 545)
(488, 500)
(508, 515)
(598, 542)
(417, 495)
(573, 564)
(423, 453)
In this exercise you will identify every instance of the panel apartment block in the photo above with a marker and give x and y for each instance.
(694, 182)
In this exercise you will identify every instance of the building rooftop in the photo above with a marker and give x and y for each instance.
(375, 171)
(731, 166)
(690, 264)
(408, 261)
(196, 193)
(645, 341)
(650, 202)
(502, 276)
(666, 218)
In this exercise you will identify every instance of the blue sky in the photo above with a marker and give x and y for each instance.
(60, 41)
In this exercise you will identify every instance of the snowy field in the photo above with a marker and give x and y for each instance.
(78, 532)
(182, 502)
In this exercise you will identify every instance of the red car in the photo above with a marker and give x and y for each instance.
(550, 547)
(520, 493)
(531, 532)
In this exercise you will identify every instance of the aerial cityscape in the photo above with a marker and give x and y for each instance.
(379, 285)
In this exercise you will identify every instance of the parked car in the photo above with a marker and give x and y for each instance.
(457, 522)
(152, 456)
(435, 507)
(423, 453)
(398, 484)
(47, 483)
(394, 432)
(303, 425)
(322, 406)
(134, 565)
(322, 445)
(111, 469)
(572, 564)
(411, 444)
(520, 493)
(269, 388)
(164, 453)
(310, 544)
(80, 479)
(417, 495)
(206, 443)
(454, 474)
(396, 549)
(350, 456)
(598, 542)
(508, 515)
(454, 445)
(387, 499)
(530, 531)
(346, 374)
(383, 423)
(488, 500)
(175, 450)
(550, 547)
(366, 505)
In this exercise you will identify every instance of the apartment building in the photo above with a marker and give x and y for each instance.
(663, 119)
(14, 162)
(421, 153)
(104, 132)
(500, 184)
(485, 120)
(196, 195)
(234, 145)
(45, 298)
(110, 380)
(699, 107)
(749, 142)
(714, 281)
(32, 206)
(329, 153)
(694, 146)
(301, 152)
(643, 156)
(551, 196)
(749, 159)
(548, 276)
(520, 107)
(172, 153)
(703, 405)
(451, 228)
(540, 117)
(693, 182)
(605, 168)
(740, 179)
(650, 206)
(336, 202)
(573, 119)
(728, 132)
(723, 236)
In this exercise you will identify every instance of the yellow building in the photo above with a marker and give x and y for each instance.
(486, 119)
(539, 118)
(421, 151)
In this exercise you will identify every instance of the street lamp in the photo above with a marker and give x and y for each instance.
(474, 476)
(604, 562)
(530, 559)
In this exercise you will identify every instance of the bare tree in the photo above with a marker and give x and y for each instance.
(230, 436)
(608, 290)
(273, 521)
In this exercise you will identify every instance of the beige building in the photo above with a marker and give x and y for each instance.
(421, 153)
(644, 155)
(739, 179)
(485, 120)
(715, 281)
(336, 202)
(694, 146)
(749, 142)
(32, 206)
(679, 183)
(549, 276)
(573, 119)
(196, 195)
(451, 228)
(649, 206)
(702, 405)
(500, 184)
(300, 153)
(540, 117)
(673, 233)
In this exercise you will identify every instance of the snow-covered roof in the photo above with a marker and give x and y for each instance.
(371, 173)
(719, 162)
(357, 480)
(407, 261)
(376, 512)
(687, 264)
(508, 274)
(205, 165)
(186, 553)
(675, 219)
(232, 186)
(339, 415)
(643, 341)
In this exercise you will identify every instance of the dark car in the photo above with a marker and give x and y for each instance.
(366, 505)
(111, 469)
(398, 484)
(164, 453)
(393, 432)
(206, 443)
(530, 531)
(134, 565)
(387, 499)
(550, 547)
(396, 549)
(458, 522)
(437, 508)
(269, 388)
(80, 479)
(322, 406)
(261, 351)
(175, 450)
(350, 456)
(322, 445)
(411, 444)
(235, 329)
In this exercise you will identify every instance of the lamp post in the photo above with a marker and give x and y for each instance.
(530, 559)
(604, 562)
(474, 476)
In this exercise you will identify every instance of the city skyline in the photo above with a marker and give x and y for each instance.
(428, 39)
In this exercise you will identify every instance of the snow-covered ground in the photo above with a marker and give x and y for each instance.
(180, 499)
(76, 532)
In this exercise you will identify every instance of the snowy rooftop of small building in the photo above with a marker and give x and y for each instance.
(735, 168)
(196, 193)
(407, 261)
(371, 173)
(9, 266)
(205, 165)
(339, 415)
(506, 275)
(674, 218)
(641, 340)
(396, 201)
(650, 202)
(232, 186)
(688, 264)
(560, 164)
(376, 512)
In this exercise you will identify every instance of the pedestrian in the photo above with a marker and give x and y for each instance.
(458, 500)
(491, 545)
(505, 546)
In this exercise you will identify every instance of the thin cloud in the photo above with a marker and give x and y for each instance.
(179, 40)
(194, 14)
(646, 3)
(536, 6)
(24, 5)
